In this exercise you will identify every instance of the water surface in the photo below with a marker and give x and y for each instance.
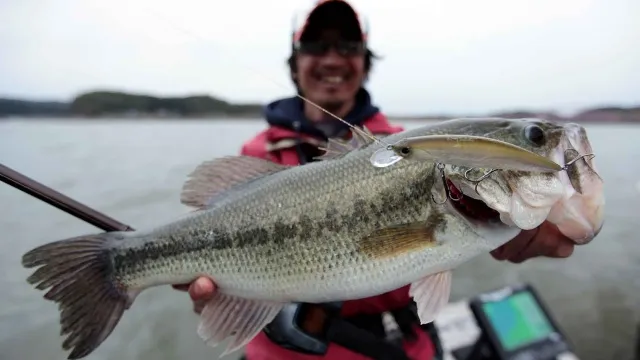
(134, 171)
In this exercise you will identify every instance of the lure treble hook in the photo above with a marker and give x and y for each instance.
(486, 174)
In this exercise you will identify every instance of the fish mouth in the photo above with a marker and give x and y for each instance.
(573, 199)
(577, 216)
(472, 209)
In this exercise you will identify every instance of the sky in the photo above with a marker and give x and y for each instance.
(438, 56)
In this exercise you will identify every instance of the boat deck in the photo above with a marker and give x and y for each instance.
(458, 328)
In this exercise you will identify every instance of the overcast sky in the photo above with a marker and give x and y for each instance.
(454, 56)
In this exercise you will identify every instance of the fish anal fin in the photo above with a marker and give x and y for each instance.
(218, 175)
(338, 147)
(226, 316)
(398, 240)
(431, 294)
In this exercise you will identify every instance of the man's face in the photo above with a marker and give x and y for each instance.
(330, 70)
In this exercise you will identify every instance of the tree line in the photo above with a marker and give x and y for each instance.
(119, 104)
(111, 103)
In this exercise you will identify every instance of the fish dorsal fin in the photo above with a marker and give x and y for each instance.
(218, 175)
(338, 147)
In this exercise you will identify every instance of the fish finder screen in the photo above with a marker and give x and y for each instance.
(518, 320)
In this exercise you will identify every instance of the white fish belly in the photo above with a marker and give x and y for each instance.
(334, 276)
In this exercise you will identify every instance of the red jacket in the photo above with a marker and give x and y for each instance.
(275, 144)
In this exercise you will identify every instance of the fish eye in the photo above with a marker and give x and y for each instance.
(404, 151)
(534, 134)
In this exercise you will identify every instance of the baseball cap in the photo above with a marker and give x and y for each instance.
(309, 21)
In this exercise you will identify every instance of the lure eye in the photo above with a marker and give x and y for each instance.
(534, 134)
(404, 151)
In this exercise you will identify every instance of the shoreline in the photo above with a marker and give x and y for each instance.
(110, 105)
(258, 118)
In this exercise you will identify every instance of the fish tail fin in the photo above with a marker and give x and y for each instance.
(80, 272)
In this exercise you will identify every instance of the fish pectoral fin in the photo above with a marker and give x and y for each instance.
(227, 316)
(218, 175)
(399, 240)
(431, 294)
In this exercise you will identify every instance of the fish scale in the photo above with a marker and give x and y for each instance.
(237, 214)
(333, 230)
(301, 258)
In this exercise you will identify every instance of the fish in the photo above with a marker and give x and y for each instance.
(332, 230)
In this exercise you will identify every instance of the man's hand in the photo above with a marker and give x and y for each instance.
(201, 290)
(545, 240)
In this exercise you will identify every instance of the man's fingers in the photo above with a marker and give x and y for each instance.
(548, 242)
(201, 289)
(552, 243)
(531, 250)
(515, 246)
(558, 245)
(563, 249)
(181, 287)
(498, 253)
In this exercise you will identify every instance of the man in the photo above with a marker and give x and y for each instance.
(329, 64)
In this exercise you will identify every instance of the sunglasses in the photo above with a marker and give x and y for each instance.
(318, 48)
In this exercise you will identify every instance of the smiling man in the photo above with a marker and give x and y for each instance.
(329, 64)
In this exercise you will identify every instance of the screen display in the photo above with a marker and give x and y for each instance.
(518, 320)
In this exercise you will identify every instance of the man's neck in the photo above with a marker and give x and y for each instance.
(316, 115)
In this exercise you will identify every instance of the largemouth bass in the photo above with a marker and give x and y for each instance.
(333, 230)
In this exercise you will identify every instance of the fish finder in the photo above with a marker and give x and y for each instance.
(514, 325)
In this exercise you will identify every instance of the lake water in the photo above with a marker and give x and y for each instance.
(134, 171)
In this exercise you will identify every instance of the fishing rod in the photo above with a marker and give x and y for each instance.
(60, 201)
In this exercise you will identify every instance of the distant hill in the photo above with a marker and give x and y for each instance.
(610, 114)
(595, 115)
(33, 108)
(115, 103)
(119, 104)
(604, 114)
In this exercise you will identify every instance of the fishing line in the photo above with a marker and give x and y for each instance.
(386, 156)
(196, 36)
